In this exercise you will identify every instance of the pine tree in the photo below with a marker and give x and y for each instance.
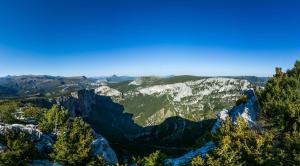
(155, 159)
(20, 150)
(54, 119)
(73, 144)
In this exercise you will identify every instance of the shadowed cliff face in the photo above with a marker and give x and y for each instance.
(79, 103)
(108, 117)
(129, 138)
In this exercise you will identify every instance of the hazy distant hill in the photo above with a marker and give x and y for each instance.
(117, 79)
(41, 85)
(113, 79)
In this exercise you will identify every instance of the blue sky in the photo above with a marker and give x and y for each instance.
(148, 37)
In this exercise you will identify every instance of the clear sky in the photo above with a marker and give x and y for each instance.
(148, 37)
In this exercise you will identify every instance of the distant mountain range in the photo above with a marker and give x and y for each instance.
(44, 85)
(41, 85)
(113, 79)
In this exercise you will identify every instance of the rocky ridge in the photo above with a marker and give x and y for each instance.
(248, 111)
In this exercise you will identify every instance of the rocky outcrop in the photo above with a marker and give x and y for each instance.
(137, 82)
(189, 156)
(107, 91)
(43, 142)
(248, 111)
(86, 98)
(100, 147)
(79, 103)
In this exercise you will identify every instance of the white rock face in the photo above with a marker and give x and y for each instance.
(31, 129)
(101, 147)
(248, 111)
(189, 156)
(205, 86)
(136, 82)
(222, 117)
(178, 90)
(107, 91)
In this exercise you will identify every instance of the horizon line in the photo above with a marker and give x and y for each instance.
(136, 76)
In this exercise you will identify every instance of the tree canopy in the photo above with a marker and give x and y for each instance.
(19, 149)
(277, 140)
(54, 119)
(73, 146)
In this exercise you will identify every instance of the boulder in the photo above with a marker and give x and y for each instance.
(190, 155)
(100, 147)
(43, 142)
